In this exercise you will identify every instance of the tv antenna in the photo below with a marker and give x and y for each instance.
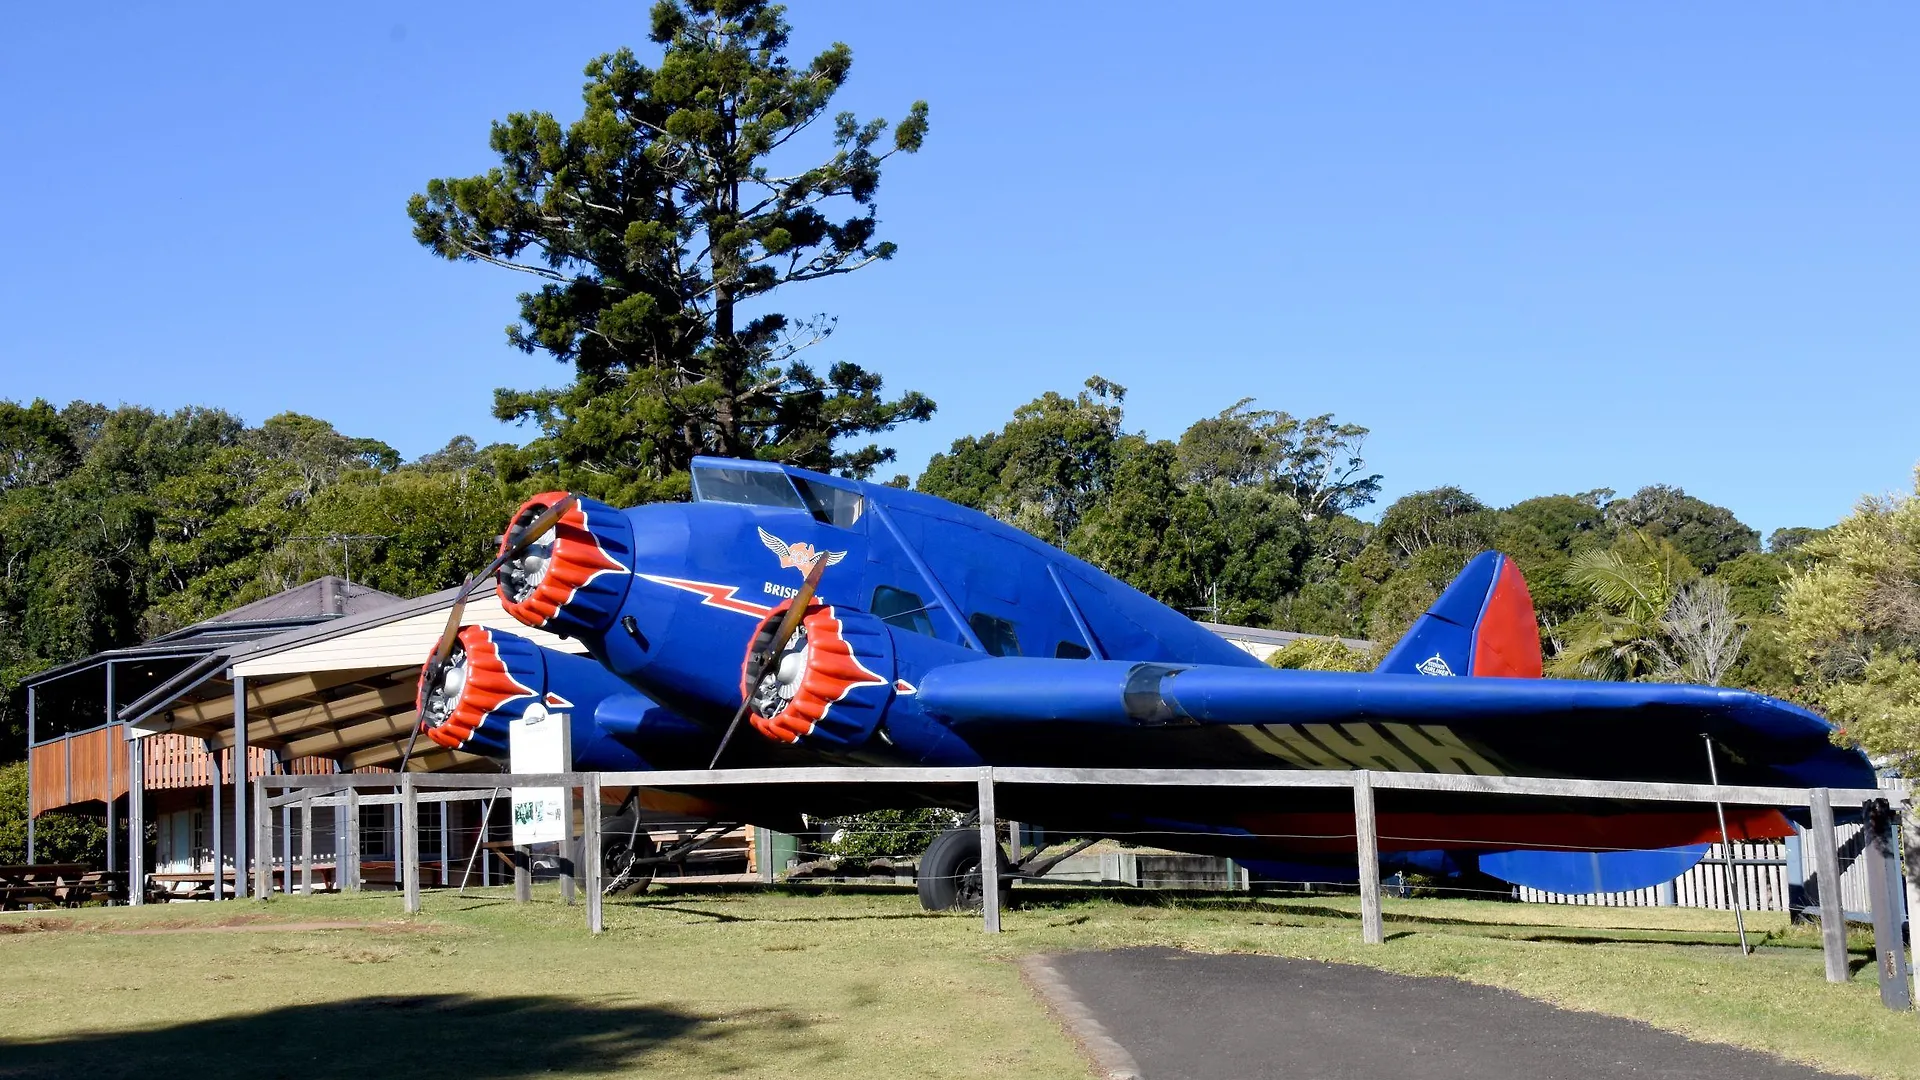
(346, 542)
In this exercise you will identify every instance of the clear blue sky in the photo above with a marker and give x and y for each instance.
(1535, 248)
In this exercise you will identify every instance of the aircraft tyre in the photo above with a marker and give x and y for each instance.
(949, 876)
(623, 839)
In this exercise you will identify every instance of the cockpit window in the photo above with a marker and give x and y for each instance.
(995, 634)
(747, 487)
(898, 607)
(831, 505)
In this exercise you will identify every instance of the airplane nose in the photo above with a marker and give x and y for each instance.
(573, 580)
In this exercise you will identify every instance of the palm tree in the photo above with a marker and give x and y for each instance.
(1633, 586)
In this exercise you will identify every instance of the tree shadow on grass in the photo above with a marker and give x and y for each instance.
(425, 1037)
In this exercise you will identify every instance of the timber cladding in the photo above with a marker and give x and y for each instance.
(92, 766)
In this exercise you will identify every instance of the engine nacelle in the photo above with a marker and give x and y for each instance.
(493, 677)
(832, 683)
(574, 579)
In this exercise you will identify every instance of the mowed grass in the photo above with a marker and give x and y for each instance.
(711, 982)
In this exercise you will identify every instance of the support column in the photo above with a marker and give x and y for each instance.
(286, 849)
(989, 855)
(410, 843)
(32, 714)
(240, 779)
(348, 872)
(113, 823)
(569, 864)
(262, 841)
(219, 842)
(136, 822)
(446, 850)
(590, 848)
(1884, 890)
(1826, 867)
(1367, 845)
(306, 846)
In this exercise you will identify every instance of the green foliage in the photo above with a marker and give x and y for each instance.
(1706, 534)
(1321, 654)
(1633, 585)
(659, 225)
(57, 837)
(888, 834)
(1852, 621)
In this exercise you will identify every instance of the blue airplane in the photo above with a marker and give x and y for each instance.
(852, 623)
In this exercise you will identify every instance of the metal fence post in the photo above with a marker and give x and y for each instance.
(590, 848)
(410, 843)
(346, 868)
(1889, 951)
(306, 846)
(989, 855)
(262, 841)
(1826, 866)
(1367, 845)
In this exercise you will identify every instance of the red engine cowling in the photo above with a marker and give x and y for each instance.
(831, 684)
(574, 579)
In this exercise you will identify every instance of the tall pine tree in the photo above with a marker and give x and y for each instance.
(657, 224)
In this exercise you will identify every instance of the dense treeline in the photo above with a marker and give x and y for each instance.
(1258, 517)
(118, 525)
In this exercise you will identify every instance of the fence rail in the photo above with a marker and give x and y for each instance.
(1880, 806)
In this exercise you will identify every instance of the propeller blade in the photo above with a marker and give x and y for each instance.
(535, 529)
(408, 755)
(452, 633)
(789, 623)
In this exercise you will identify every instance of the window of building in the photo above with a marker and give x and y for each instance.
(996, 635)
(376, 832)
(1072, 650)
(898, 607)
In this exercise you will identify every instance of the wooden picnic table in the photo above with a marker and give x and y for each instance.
(58, 885)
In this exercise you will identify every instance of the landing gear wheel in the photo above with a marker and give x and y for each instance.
(949, 875)
(623, 842)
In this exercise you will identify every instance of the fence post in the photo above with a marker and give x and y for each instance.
(1910, 873)
(262, 841)
(569, 865)
(590, 848)
(522, 877)
(1889, 951)
(410, 843)
(306, 846)
(1826, 867)
(347, 867)
(989, 855)
(1367, 844)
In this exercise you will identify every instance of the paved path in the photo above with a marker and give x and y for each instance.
(1188, 1016)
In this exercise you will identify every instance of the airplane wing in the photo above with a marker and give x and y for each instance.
(1409, 723)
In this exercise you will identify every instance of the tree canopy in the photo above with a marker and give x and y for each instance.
(659, 226)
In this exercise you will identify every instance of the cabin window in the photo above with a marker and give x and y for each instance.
(831, 505)
(1072, 650)
(748, 487)
(996, 635)
(898, 607)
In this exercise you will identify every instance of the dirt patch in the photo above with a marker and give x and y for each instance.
(241, 926)
(34, 926)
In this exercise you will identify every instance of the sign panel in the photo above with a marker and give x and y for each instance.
(537, 742)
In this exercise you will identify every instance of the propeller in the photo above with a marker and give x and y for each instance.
(769, 654)
(517, 542)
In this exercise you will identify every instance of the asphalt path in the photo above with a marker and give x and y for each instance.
(1189, 1016)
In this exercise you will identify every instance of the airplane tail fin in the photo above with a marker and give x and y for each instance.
(1483, 624)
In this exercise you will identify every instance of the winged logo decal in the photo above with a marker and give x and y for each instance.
(800, 556)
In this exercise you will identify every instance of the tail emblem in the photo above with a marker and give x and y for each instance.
(1434, 665)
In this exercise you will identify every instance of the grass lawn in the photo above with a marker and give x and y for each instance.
(706, 982)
